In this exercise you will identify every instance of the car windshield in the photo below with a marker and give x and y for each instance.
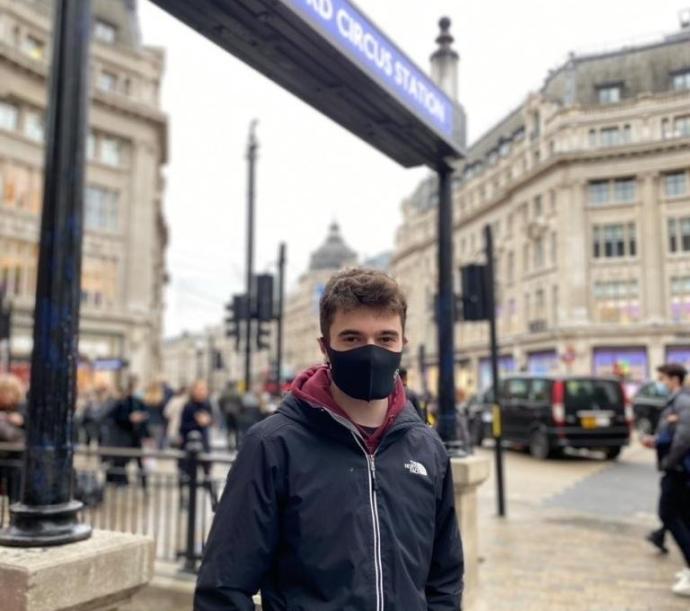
(585, 394)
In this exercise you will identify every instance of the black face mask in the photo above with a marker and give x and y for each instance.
(365, 373)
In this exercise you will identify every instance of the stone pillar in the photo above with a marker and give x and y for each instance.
(99, 574)
(468, 474)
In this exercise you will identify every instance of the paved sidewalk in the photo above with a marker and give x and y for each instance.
(547, 557)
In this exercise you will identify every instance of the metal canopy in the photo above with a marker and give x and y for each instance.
(327, 53)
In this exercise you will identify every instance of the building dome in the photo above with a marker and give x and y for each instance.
(333, 253)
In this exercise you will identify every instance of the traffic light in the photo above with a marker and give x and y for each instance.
(264, 297)
(218, 361)
(474, 297)
(238, 311)
(262, 334)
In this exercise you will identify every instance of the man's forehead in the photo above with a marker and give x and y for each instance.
(366, 319)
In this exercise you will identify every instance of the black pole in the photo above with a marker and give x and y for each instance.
(421, 356)
(193, 448)
(446, 318)
(497, 414)
(47, 513)
(211, 361)
(252, 147)
(281, 312)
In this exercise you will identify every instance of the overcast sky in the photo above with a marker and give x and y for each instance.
(311, 171)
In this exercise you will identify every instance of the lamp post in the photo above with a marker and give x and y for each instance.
(46, 513)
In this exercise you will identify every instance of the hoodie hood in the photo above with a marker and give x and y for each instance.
(313, 387)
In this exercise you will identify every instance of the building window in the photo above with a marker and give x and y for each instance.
(538, 207)
(609, 94)
(554, 304)
(100, 209)
(493, 157)
(9, 115)
(33, 125)
(107, 81)
(681, 80)
(504, 148)
(681, 126)
(610, 136)
(539, 253)
(617, 301)
(554, 248)
(525, 257)
(104, 32)
(510, 272)
(679, 234)
(627, 134)
(614, 241)
(110, 151)
(33, 47)
(599, 192)
(676, 184)
(680, 298)
(624, 189)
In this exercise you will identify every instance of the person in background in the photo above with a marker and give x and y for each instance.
(412, 396)
(11, 431)
(96, 409)
(127, 429)
(154, 399)
(250, 414)
(230, 403)
(173, 415)
(197, 416)
(672, 444)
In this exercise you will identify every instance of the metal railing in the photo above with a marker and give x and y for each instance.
(168, 495)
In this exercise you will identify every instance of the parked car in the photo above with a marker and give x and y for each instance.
(647, 406)
(548, 414)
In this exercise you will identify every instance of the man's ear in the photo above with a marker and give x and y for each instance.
(405, 341)
(322, 347)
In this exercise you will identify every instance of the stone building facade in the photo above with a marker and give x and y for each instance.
(302, 305)
(125, 232)
(587, 187)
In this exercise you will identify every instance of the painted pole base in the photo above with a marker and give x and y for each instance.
(44, 525)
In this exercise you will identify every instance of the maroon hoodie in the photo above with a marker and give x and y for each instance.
(313, 386)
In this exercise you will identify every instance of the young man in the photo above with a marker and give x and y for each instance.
(342, 500)
(672, 443)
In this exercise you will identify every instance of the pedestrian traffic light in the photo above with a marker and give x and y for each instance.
(5, 316)
(238, 311)
(264, 297)
(262, 334)
(218, 361)
(474, 297)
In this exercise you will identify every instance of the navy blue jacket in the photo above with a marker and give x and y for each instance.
(318, 524)
(188, 422)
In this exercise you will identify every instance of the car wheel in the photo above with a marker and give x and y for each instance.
(539, 445)
(612, 453)
(644, 425)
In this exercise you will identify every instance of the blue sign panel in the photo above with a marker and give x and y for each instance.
(351, 33)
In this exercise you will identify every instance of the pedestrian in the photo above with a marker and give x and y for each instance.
(250, 414)
(412, 396)
(230, 403)
(11, 431)
(343, 499)
(672, 444)
(173, 414)
(155, 400)
(96, 409)
(127, 429)
(197, 416)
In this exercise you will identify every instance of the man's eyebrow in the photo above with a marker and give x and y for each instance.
(350, 332)
(389, 332)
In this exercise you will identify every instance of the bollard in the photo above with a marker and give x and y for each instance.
(193, 448)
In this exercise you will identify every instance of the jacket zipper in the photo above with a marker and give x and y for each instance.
(373, 504)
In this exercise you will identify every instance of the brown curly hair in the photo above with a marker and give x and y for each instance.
(359, 287)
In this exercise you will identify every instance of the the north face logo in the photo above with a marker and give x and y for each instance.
(416, 467)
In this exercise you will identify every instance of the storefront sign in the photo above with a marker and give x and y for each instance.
(629, 364)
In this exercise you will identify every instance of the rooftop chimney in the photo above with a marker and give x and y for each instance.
(445, 61)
